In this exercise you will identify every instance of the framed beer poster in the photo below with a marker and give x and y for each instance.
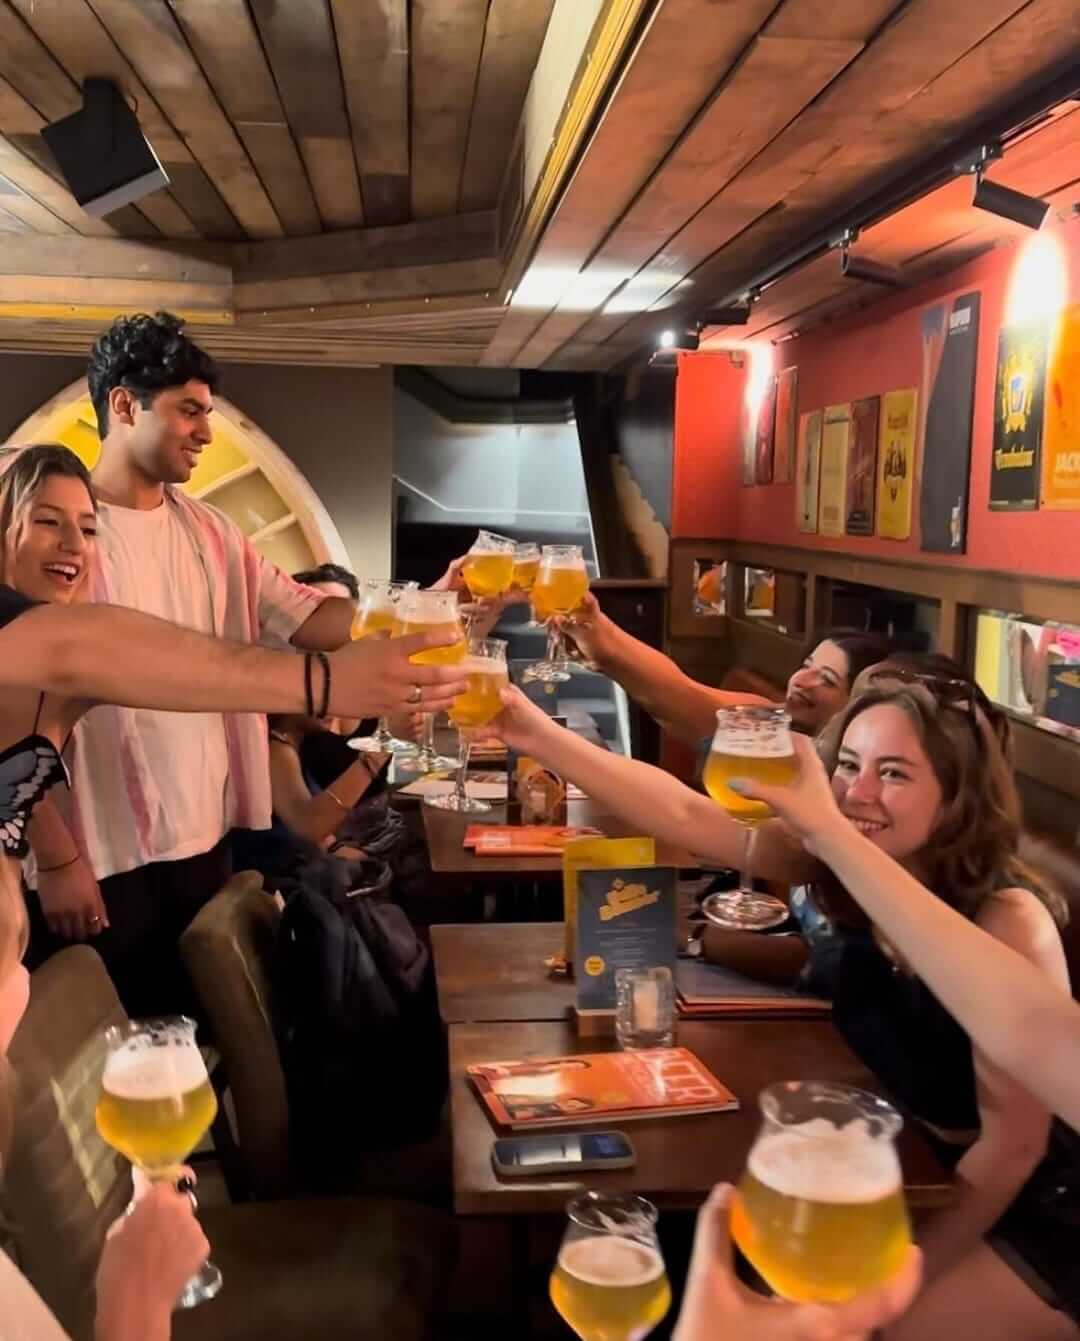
(896, 463)
(749, 445)
(808, 471)
(832, 498)
(950, 344)
(766, 428)
(1061, 428)
(1018, 417)
(787, 383)
(862, 466)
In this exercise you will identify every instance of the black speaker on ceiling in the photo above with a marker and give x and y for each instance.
(106, 159)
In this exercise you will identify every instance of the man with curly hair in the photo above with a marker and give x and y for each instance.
(154, 794)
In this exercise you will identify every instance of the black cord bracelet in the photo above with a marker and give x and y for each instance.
(309, 698)
(324, 707)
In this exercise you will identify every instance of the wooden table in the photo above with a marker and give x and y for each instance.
(492, 972)
(678, 1159)
(445, 830)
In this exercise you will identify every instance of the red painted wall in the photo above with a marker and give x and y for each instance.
(874, 351)
(705, 470)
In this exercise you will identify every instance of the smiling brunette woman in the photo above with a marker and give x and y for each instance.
(919, 772)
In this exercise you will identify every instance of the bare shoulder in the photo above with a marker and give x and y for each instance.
(1017, 918)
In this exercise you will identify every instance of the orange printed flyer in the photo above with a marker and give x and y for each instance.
(563, 1091)
(522, 840)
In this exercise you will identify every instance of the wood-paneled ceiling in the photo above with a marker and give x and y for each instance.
(367, 180)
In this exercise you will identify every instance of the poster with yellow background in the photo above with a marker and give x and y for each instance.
(1061, 429)
(896, 463)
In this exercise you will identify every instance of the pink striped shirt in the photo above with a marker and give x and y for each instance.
(117, 805)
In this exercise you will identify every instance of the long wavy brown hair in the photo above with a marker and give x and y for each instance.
(23, 470)
(973, 851)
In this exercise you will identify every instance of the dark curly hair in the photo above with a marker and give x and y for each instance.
(330, 572)
(145, 354)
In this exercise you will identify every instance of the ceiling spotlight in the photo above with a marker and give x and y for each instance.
(670, 339)
(1009, 204)
(873, 272)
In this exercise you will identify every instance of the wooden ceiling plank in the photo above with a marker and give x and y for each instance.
(206, 263)
(120, 293)
(223, 36)
(149, 35)
(373, 46)
(321, 291)
(879, 90)
(447, 42)
(649, 110)
(31, 212)
(79, 43)
(512, 41)
(299, 41)
(465, 237)
(777, 78)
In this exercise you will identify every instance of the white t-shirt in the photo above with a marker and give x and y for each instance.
(23, 1316)
(155, 567)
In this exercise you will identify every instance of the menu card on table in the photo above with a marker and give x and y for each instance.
(626, 919)
(602, 854)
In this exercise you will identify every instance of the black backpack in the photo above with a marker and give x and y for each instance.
(362, 1044)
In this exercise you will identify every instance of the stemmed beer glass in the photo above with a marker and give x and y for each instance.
(156, 1105)
(423, 612)
(489, 565)
(750, 742)
(486, 675)
(561, 585)
(526, 567)
(376, 613)
(610, 1283)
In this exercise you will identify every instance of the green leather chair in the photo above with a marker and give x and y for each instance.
(366, 1269)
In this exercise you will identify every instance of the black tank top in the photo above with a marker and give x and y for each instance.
(30, 766)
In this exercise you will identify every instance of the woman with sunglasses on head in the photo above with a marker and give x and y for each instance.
(919, 774)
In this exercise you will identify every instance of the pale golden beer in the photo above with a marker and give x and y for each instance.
(373, 620)
(610, 1288)
(488, 574)
(434, 656)
(558, 591)
(820, 1210)
(775, 770)
(156, 1103)
(480, 703)
(525, 571)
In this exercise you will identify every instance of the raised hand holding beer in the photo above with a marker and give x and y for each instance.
(155, 1107)
(755, 743)
(376, 614)
(432, 612)
(610, 1283)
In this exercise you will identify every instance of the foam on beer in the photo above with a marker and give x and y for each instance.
(137, 1071)
(483, 666)
(608, 1259)
(819, 1162)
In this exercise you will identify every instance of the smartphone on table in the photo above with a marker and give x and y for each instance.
(561, 1152)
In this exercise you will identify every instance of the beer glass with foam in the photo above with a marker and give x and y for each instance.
(609, 1283)
(750, 742)
(486, 676)
(156, 1105)
(820, 1210)
(422, 612)
(562, 582)
(376, 614)
(489, 565)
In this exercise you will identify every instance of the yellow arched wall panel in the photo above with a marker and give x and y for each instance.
(242, 471)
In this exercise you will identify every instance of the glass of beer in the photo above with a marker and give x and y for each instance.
(376, 614)
(526, 566)
(609, 1283)
(819, 1212)
(561, 585)
(424, 612)
(155, 1107)
(489, 565)
(486, 674)
(750, 742)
